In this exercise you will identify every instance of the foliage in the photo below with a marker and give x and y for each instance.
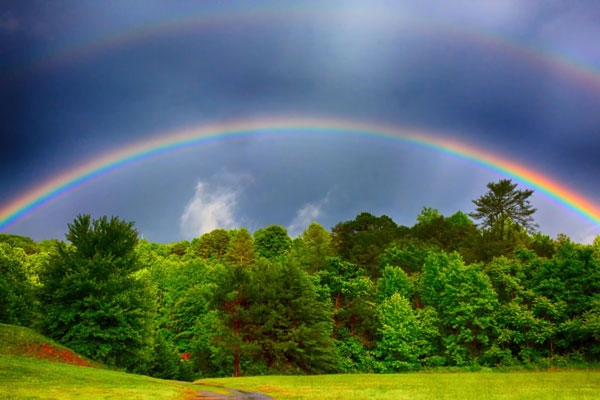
(22, 242)
(90, 299)
(16, 291)
(503, 205)
(394, 280)
(370, 296)
(240, 251)
(212, 244)
(400, 346)
(313, 248)
(362, 240)
(292, 324)
(272, 241)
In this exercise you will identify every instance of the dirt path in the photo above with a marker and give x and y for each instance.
(233, 395)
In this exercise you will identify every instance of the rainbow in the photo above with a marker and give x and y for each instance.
(279, 126)
(586, 75)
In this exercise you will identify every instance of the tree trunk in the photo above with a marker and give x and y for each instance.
(236, 363)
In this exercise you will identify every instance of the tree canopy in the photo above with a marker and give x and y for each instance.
(367, 296)
(90, 299)
(504, 204)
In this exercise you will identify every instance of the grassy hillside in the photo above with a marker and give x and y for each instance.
(20, 341)
(31, 366)
(460, 386)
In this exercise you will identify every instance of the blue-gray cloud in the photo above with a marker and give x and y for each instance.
(447, 67)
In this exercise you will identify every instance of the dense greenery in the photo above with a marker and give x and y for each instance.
(369, 296)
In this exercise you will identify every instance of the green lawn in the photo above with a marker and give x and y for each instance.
(34, 367)
(28, 378)
(25, 377)
(475, 385)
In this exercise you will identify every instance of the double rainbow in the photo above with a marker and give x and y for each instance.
(202, 134)
(45, 192)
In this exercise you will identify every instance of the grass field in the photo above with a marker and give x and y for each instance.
(473, 385)
(32, 367)
(28, 378)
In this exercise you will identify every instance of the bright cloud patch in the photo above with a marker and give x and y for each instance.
(214, 204)
(308, 213)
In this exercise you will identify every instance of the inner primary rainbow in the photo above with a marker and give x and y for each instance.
(172, 141)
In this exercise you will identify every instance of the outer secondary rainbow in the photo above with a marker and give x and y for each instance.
(586, 74)
(198, 135)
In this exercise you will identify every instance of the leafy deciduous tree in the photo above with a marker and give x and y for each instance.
(400, 345)
(90, 299)
(272, 241)
(16, 295)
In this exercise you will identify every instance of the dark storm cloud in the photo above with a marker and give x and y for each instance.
(347, 61)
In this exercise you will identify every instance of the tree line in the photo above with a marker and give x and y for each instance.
(367, 296)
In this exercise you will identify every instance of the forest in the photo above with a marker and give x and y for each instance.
(474, 290)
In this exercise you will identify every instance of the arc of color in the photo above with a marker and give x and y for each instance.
(172, 141)
(588, 75)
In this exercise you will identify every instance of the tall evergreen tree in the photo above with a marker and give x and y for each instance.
(504, 204)
(291, 323)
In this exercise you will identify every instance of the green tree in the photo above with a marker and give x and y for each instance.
(410, 256)
(465, 301)
(212, 244)
(353, 295)
(232, 328)
(503, 205)
(16, 294)
(567, 286)
(23, 242)
(240, 252)
(467, 308)
(313, 247)
(393, 280)
(90, 299)
(454, 233)
(362, 240)
(543, 245)
(272, 241)
(400, 346)
(291, 323)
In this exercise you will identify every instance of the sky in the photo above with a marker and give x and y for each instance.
(80, 80)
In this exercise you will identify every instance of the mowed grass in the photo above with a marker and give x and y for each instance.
(59, 373)
(473, 385)
(24, 377)
(28, 378)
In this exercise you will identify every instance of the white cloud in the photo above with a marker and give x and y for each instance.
(308, 213)
(214, 204)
